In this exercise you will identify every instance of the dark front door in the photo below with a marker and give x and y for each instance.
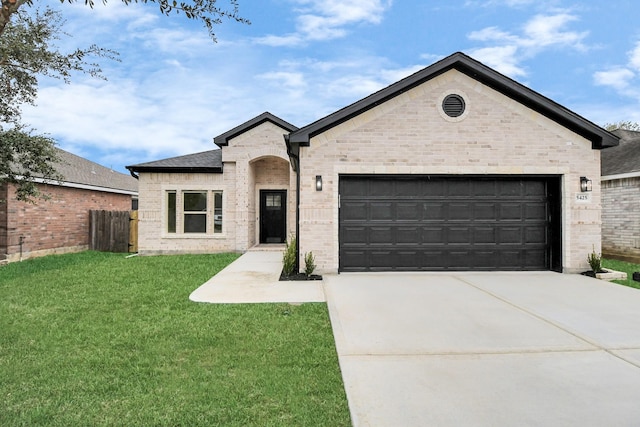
(273, 217)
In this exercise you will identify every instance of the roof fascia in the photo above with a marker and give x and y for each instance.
(620, 176)
(169, 169)
(223, 140)
(599, 137)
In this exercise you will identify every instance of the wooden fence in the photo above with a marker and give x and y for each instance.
(113, 231)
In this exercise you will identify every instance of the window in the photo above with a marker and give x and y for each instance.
(171, 211)
(194, 212)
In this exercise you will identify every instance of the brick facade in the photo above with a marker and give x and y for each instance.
(410, 134)
(254, 160)
(59, 224)
(621, 219)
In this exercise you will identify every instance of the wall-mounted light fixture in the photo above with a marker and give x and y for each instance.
(585, 184)
(318, 182)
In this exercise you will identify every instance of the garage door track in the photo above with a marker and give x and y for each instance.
(487, 349)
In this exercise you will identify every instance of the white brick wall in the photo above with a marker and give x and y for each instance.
(410, 135)
(621, 218)
(252, 161)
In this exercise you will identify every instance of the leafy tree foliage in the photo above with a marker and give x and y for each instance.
(28, 52)
(25, 157)
(623, 124)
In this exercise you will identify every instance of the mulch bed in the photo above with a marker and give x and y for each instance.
(590, 273)
(299, 277)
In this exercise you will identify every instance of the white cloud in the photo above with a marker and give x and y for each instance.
(618, 78)
(634, 57)
(622, 78)
(327, 20)
(501, 58)
(541, 32)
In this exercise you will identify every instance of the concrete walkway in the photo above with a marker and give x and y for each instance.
(467, 349)
(254, 278)
(487, 349)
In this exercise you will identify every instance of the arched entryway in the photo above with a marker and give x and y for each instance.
(272, 199)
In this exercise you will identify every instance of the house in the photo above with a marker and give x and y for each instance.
(621, 198)
(456, 167)
(60, 223)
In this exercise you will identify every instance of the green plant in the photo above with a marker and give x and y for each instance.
(309, 263)
(595, 261)
(289, 257)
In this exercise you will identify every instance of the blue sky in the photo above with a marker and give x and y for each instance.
(175, 89)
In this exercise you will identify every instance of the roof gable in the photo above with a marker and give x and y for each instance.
(206, 161)
(599, 137)
(222, 140)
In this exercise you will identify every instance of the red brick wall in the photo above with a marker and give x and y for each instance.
(56, 224)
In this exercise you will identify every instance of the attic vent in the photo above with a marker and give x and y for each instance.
(453, 105)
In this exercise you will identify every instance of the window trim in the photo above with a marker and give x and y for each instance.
(211, 229)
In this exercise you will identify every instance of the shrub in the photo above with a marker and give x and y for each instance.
(309, 263)
(289, 257)
(595, 261)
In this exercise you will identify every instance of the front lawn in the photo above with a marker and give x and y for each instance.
(98, 339)
(627, 267)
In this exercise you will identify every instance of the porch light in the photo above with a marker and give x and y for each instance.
(318, 182)
(585, 184)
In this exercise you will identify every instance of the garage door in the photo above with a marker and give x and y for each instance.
(431, 223)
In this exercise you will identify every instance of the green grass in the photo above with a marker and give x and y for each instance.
(97, 339)
(627, 267)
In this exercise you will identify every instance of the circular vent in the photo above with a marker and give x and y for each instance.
(453, 105)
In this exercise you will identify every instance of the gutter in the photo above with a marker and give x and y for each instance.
(620, 176)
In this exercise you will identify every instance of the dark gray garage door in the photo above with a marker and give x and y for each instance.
(431, 223)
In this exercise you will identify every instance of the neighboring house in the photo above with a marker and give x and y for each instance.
(455, 167)
(621, 198)
(61, 222)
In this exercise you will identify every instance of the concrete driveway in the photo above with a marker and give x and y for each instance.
(487, 349)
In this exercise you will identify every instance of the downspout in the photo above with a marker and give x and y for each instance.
(133, 174)
(295, 165)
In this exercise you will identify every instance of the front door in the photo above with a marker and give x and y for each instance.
(273, 217)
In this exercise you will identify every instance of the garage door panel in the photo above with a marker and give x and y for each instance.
(459, 235)
(444, 223)
(408, 211)
(485, 235)
(460, 211)
(381, 211)
(434, 211)
(353, 211)
(409, 236)
(382, 235)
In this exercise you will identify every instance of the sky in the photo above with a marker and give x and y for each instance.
(175, 89)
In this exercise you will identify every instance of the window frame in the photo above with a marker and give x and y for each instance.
(175, 217)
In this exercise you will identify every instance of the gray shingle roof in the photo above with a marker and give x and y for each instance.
(78, 170)
(625, 158)
(206, 161)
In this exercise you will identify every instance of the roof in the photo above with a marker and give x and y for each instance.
(222, 140)
(623, 159)
(206, 161)
(599, 137)
(79, 172)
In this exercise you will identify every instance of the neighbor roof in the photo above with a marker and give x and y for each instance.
(77, 171)
(206, 161)
(600, 138)
(623, 159)
(222, 140)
